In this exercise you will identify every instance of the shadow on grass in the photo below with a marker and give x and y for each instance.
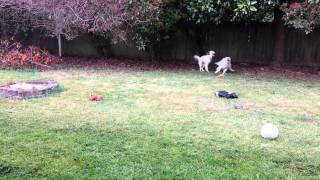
(10, 170)
(52, 93)
(56, 92)
(152, 154)
(124, 152)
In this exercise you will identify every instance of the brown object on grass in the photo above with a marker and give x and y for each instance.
(95, 98)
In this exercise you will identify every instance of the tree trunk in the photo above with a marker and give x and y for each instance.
(60, 45)
(279, 35)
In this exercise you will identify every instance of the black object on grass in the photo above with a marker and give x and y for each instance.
(226, 94)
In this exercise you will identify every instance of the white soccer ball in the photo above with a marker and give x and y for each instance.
(269, 131)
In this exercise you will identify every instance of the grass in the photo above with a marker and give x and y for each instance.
(160, 125)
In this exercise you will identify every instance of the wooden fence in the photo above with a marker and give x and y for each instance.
(252, 43)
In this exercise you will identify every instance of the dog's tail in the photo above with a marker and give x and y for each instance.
(196, 57)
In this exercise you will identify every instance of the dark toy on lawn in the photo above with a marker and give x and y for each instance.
(226, 94)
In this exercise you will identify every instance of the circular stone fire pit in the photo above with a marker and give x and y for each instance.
(28, 89)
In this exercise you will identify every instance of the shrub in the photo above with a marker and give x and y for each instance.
(14, 55)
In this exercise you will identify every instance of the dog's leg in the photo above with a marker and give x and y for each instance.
(224, 71)
(222, 74)
(207, 67)
(218, 69)
(200, 66)
(230, 68)
(203, 66)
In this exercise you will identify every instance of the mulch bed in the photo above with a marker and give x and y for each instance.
(174, 65)
(311, 73)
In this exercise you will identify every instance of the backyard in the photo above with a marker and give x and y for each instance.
(160, 124)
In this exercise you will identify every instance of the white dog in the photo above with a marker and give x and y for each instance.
(224, 64)
(204, 61)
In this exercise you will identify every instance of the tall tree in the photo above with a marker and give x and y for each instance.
(68, 18)
(54, 16)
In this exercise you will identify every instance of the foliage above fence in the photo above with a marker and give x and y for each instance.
(148, 22)
(200, 12)
(305, 16)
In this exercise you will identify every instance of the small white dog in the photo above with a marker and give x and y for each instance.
(224, 64)
(204, 61)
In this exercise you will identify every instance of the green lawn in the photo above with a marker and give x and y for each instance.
(160, 125)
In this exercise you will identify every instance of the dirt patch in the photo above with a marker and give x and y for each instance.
(305, 73)
(192, 103)
(127, 64)
(311, 73)
(288, 105)
(305, 120)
